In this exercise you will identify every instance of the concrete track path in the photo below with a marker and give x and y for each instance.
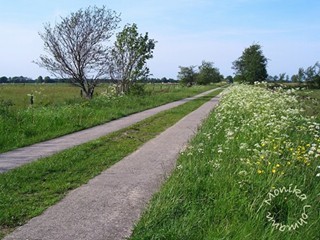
(18, 157)
(108, 205)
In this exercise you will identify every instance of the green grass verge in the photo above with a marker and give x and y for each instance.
(310, 101)
(252, 172)
(22, 127)
(27, 191)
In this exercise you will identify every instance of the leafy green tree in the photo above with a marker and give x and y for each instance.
(208, 74)
(252, 65)
(3, 79)
(76, 48)
(39, 79)
(282, 77)
(127, 62)
(301, 75)
(294, 78)
(229, 79)
(187, 75)
(312, 75)
(47, 79)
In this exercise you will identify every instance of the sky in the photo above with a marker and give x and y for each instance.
(187, 32)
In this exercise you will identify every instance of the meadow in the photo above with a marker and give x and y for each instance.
(311, 102)
(58, 109)
(252, 172)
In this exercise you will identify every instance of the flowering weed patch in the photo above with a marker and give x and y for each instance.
(252, 172)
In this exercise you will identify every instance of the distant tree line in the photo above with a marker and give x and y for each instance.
(310, 76)
(22, 79)
(40, 79)
(251, 66)
(47, 79)
(16, 79)
(204, 74)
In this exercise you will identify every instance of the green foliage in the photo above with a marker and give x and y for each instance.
(252, 65)
(310, 76)
(208, 74)
(187, 75)
(3, 79)
(5, 106)
(310, 100)
(137, 89)
(229, 79)
(39, 79)
(127, 62)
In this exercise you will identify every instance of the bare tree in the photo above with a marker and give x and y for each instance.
(76, 46)
(127, 62)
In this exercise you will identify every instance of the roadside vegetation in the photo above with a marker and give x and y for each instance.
(311, 102)
(252, 172)
(27, 191)
(24, 126)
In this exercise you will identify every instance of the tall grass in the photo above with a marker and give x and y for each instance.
(311, 102)
(28, 125)
(44, 94)
(252, 172)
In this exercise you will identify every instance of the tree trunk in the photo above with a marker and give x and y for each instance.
(88, 92)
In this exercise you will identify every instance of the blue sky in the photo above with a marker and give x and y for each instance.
(187, 31)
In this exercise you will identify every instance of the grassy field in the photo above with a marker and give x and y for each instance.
(252, 172)
(44, 94)
(62, 93)
(310, 100)
(59, 110)
(27, 191)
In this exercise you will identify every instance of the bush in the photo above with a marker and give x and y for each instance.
(137, 90)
